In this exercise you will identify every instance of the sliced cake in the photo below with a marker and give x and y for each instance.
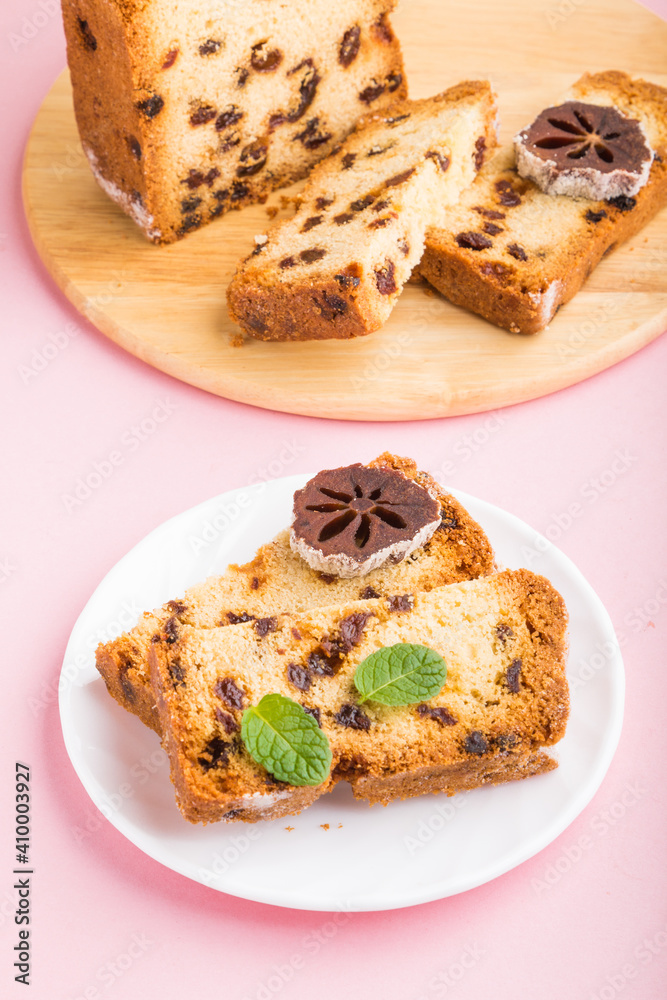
(187, 110)
(278, 578)
(505, 697)
(337, 267)
(514, 253)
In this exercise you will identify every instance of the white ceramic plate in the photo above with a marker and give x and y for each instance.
(340, 855)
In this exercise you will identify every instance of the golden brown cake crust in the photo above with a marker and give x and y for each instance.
(186, 112)
(506, 697)
(277, 579)
(542, 248)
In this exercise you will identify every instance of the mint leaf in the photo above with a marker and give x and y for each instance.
(283, 738)
(400, 675)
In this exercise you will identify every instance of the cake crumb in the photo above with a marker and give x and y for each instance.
(289, 828)
(325, 826)
(340, 826)
(237, 340)
(272, 211)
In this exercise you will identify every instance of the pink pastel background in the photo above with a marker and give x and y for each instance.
(597, 932)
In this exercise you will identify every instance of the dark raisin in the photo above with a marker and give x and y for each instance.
(474, 241)
(265, 625)
(348, 160)
(151, 106)
(230, 141)
(322, 665)
(126, 685)
(404, 247)
(228, 118)
(242, 75)
(307, 89)
(228, 691)
(287, 262)
(331, 305)
(227, 721)
(349, 47)
(221, 195)
(253, 158)
(265, 61)
(489, 213)
(480, 150)
(297, 635)
(242, 616)
(516, 251)
(352, 717)
(504, 632)
(343, 218)
(439, 715)
(448, 523)
(394, 81)
(314, 220)
(328, 577)
(298, 676)
(385, 279)
(439, 158)
(352, 628)
(592, 216)
(622, 203)
(315, 712)
(393, 122)
(382, 223)
(400, 603)
(312, 137)
(214, 754)
(190, 204)
(170, 59)
(134, 146)
(382, 31)
(323, 203)
(476, 743)
(196, 178)
(372, 92)
(189, 223)
(494, 270)
(379, 150)
(239, 191)
(177, 671)
(254, 584)
(368, 594)
(399, 178)
(232, 814)
(381, 205)
(347, 280)
(310, 256)
(202, 115)
(171, 630)
(513, 672)
(362, 203)
(492, 229)
(89, 40)
(505, 741)
(506, 194)
(277, 119)
(209, 47)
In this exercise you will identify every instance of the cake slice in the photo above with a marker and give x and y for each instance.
(187, 110)
(278, 579)
(514, 254)
(504, 700)
(337, 267)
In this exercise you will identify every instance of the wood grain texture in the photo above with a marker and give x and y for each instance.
(166, 305)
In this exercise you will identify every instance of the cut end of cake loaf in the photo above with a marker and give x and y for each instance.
(515, 255)
(505, 699)
(185, 111)
(336, 269)
(277, 579)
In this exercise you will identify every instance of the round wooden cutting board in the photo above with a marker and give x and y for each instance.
(166, 305)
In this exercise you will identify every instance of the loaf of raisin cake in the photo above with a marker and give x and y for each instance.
(337, 267)
(504, 700)
(278, 579)
(515, 254)
(187, 110)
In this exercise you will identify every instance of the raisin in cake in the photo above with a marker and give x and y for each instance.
(505, 697)
(336, 269)
(187, 110)
(278, 579)
(514, 254)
